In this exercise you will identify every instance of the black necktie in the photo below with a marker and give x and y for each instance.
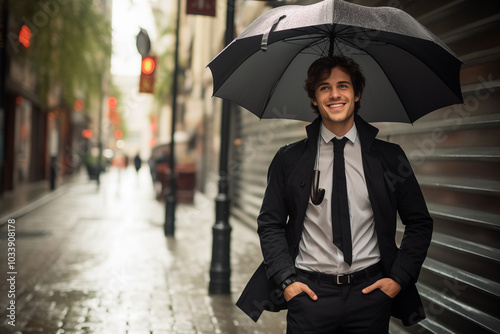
(341, 225)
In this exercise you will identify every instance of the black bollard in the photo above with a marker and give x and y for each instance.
(220, 268)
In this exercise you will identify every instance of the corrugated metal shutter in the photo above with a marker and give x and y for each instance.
(455, 153)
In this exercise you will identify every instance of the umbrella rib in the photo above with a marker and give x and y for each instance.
(312, 31)
(323, 33)
(319, 39)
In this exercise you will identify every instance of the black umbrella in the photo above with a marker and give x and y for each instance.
(409, 71)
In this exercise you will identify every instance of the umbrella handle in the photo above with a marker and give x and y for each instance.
(265, 37)
(317, 193)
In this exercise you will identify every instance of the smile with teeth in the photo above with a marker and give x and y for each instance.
(336, 105)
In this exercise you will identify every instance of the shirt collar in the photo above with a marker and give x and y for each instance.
(327, 135)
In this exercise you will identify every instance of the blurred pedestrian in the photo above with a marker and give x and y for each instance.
(137, 162)
(329, 244)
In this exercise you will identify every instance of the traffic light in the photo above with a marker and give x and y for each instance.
(25, 36)
(147, 81)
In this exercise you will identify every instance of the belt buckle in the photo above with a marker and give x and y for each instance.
(340, 282)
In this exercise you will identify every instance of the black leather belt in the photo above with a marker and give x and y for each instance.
(356, 277)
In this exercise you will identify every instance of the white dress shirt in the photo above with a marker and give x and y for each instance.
(317, 252)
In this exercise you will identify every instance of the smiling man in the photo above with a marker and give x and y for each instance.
(334, 99)
(336, 262)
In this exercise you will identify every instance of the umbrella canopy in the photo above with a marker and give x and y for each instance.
(409, 71)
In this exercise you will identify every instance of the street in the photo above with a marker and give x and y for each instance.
(95, 260)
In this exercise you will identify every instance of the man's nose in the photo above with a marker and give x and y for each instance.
(334, 93)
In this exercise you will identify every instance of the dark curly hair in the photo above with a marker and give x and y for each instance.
(321, 68)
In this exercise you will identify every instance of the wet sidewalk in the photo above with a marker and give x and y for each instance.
(96, 261)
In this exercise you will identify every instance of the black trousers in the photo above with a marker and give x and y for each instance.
(339, 308)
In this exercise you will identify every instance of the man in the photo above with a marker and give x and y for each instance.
(334, 263)
(137, 162)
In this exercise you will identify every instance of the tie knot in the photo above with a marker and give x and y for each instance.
(339, 144)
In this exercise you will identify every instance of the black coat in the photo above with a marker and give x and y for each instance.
(392, 188)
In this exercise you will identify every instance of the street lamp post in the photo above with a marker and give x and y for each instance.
(171, 198)
(220, 268)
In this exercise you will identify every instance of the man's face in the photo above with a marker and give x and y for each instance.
(335, 99)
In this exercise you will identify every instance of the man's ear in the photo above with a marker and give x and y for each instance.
(356, 99)
(313, 101)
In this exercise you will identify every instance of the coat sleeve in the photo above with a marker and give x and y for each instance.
(272, 221)
(416, 219)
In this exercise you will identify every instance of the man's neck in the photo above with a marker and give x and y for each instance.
(341, 128)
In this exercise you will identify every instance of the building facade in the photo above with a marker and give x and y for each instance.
(40, 130)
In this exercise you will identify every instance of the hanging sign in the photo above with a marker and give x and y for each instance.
(201, 7)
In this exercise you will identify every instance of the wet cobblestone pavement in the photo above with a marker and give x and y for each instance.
(97, 261)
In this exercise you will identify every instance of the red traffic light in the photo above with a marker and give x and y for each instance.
(147, 80)
(25, 36)
(148, 65)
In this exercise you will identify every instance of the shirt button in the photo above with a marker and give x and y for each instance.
(302, 184)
